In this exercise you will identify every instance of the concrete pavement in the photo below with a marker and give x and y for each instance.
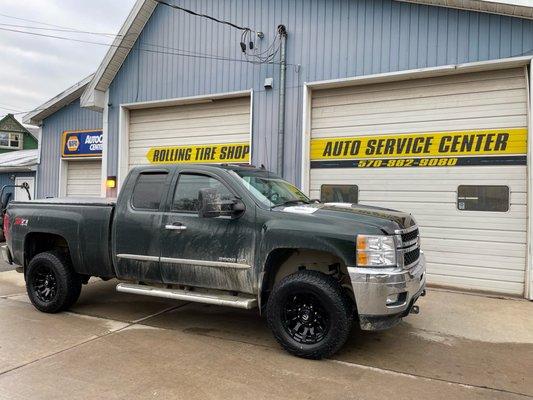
(118, 346)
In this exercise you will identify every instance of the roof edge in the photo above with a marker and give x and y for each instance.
(66, 97)
(509, 8)
(94, 95)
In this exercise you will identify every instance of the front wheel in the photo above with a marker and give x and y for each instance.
(51, 283)
(309, 314)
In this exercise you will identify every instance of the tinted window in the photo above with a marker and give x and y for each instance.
(483, 198)
(339, 194)
(148, 191)
(188, 187)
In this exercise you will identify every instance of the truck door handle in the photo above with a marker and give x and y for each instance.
(175, 227)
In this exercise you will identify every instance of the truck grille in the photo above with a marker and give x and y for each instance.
(410, 236)
(408, 246)
(411, 256)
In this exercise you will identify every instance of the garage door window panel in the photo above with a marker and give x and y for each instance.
(483, 198)
(339, 194)
(148, 191)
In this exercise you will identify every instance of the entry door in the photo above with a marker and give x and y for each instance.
(137, 228)
(22, 194)
(212, 253)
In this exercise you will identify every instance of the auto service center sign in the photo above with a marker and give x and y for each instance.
(434, 149)
(82, 144)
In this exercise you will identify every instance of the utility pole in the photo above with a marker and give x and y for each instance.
(282, 31)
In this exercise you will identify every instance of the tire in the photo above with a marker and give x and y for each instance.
(312, 300)
(51, 283)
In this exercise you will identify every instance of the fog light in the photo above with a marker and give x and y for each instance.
(393, 299)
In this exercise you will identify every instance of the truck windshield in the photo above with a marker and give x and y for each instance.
(270, 189)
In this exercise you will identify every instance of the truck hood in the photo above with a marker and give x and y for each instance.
(382, 218)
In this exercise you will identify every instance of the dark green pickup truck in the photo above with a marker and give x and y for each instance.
(226, 235)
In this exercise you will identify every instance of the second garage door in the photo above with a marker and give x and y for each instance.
(450, 150)
(84, 178)
(190, 128)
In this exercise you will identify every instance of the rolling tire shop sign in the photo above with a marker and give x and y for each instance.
(212, 153)
(437, 149)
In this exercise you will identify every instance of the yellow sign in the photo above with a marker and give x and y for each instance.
(208, 153)
(481, 142)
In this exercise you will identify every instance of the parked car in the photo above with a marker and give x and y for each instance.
(231, 236)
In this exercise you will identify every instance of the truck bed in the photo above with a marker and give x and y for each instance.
(83, 223)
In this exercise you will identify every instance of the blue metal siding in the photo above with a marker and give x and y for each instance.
(328, 38)
(70, 117)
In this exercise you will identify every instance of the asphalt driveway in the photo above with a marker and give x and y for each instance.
(118, 346)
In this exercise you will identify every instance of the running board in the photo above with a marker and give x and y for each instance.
(176, 294)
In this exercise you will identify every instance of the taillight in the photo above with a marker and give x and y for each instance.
(6, 226)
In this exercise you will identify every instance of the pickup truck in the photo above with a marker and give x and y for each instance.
(235, 236)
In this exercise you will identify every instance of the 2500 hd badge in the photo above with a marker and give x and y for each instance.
(230, 236)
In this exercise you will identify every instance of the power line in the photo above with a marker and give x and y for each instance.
(246, 43)
(60, 30)
(177, 52)
(241, 28)
(8, 108)
(48, 24)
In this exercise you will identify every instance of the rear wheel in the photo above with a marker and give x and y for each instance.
(309, 314)
(51, 283)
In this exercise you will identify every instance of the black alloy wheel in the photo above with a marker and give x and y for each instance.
(310, 314)
(51, 282)
(44, 283)
(305, 319)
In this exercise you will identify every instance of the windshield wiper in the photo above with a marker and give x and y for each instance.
(291, 202)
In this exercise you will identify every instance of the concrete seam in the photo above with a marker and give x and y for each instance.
(427, 378)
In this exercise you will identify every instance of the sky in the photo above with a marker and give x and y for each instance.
(34, 69)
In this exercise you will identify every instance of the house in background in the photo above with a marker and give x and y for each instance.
(18, 157)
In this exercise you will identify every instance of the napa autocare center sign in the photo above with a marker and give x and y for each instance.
(436, 149)
(207, 153)
(82, 144)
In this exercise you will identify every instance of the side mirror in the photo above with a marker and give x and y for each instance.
(209, 203)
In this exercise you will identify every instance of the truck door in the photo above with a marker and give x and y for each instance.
(137, 226)
(213, 253)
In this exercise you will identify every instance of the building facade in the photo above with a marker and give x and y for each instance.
(404, 105)
(18, 157)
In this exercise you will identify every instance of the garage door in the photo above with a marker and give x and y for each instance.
(211, 131)
(84, 178)
(450, 150)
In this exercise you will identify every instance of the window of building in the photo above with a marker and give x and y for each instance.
(339, 193)
(149, 190)
(188, 188)
(10, 140)
(483, 198)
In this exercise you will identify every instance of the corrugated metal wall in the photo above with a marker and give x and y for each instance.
(71, 117)
(328, 38)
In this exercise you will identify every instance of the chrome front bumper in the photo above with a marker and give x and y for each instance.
(372, 287)
(6, 254)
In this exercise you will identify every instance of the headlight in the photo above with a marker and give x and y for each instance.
(376, 251)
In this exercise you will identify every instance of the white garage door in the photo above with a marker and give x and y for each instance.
(84, 178)
(211, 131)
(473, 237)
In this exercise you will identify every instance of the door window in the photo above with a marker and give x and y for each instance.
(188, 187)
(149, 190)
